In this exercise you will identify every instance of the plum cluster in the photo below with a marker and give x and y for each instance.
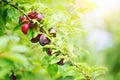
(28, 22)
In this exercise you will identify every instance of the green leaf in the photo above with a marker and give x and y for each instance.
(8, 0)
(2, 26)
(98, 71)
(1, 32)
(62, 71)
(66, 78)
(30, 33)
(49, 46)
(3, 42)
(16, 58)
(94, 68)
(4, 16)
(55, 60)
(45, 60)
(10, 12)
(52, 69)
(80, 78)
(17, 27)
(5, 67)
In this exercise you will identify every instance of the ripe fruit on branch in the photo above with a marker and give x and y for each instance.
(33, 25)
(52, 31)
(61, 62)
(25, 28)
(20, 19)
(43, 40)
(23, 19)
(49, 51)
(36, 39)
(32, 15)
(42, 30)
(35, 15)
(39, 17)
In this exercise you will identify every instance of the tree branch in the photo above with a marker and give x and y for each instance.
(80, 70)
(74, 64)
(11, 4)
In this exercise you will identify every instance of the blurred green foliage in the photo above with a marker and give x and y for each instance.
(113, 53)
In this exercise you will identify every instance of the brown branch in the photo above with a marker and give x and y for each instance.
(71, 61)
(11, 4)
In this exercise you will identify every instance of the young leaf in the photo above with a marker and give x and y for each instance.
(52, 69)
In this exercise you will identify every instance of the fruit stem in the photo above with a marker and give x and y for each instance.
(11, 4)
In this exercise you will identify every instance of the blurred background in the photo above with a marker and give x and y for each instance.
(103, 36)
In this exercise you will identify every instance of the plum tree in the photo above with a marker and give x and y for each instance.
(53, 27)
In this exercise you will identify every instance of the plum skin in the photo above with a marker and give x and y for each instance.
(61, 62)
(36, 39)
(43, 40)
(49, 51)
(35, 15)
(25, 28)
(52, 31)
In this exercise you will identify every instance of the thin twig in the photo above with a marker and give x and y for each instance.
(11, 4)
(34, 46)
